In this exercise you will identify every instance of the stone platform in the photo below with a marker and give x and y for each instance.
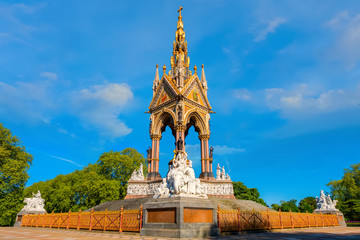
(147, 188)
(178, 217)
(214, 201)
(334, 212)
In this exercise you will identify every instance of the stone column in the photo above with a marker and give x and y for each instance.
(205, 163)
(153, 171)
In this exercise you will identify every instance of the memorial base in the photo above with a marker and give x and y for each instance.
(179, 217)
(339, 214)
(20, 215)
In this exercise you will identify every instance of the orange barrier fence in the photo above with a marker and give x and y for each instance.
(122, 221)
(236, 220)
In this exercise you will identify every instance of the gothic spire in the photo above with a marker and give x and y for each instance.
(203, 78)
(156, 79)
(179, 60)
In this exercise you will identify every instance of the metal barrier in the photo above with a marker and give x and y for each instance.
(236, 220)
(122, 221)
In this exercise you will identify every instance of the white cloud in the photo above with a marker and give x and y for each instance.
(225, 150)
(346, 30)
(100, 106)
(242, 94)
(270, 28)
(97, 107)
(49, 75)
(302, 101)
(194, 150)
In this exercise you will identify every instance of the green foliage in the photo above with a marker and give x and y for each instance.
(97, 183)
(275, 206)
(307, 204)
(347, 192)
(243, 192)
(286, 206)
(14, 163)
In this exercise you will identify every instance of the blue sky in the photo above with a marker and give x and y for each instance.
(283, 78)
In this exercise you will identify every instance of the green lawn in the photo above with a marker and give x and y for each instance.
(353, 224)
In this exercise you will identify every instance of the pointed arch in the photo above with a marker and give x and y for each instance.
(166, 118)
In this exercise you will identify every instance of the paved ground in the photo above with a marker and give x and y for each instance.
(288, 234)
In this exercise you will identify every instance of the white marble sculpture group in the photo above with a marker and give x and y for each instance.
(180, 180)
(220, 173)
(36, 203)
(138, 174)
(325, 202)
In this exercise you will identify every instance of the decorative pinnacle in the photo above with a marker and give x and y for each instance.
(202, 66)
(157, 65)
(164, 69)
(195, 69)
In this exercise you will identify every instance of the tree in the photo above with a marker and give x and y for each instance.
(14, 163)
(96, 183)
(243, 192)
(120, 165)
(347, 192)
(286, 206)
(307, 204)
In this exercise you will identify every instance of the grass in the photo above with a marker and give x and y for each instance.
(353, 224)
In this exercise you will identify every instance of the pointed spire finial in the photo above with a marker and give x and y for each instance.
(195, 69)
(164, 69)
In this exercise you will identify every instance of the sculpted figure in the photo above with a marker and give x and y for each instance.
(218, 172)
(325, 202)
(36, 203)
(180, 180)
(211, 152)
(138, 174)
(179, 144)
(223, 175)
(149, 153)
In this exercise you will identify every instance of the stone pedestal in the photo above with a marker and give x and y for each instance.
(179, 217)
(336, 212)
(20, 215)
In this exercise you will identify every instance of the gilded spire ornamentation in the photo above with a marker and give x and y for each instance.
(180, 60)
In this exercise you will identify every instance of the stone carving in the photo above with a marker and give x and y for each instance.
(325, 202)
(36, 203)
(179, 144)
(149, 153)
(138, 174)
(180, 180)
(211, 152)
(221, 174)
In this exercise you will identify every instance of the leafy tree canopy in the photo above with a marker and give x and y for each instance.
(241, 191)
(307, 204)
(97, 183)
(347, 192)
(14, 163)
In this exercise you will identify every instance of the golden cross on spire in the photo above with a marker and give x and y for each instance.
(179, 11)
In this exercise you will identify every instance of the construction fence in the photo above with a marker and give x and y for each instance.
(122, 221)
(131, 220)
(236, 220)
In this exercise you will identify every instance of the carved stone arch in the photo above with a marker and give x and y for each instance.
(193, 118)
(167, 118)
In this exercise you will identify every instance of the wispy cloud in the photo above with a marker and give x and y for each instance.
(346, 29)
(49, 75)
(302, 101)
(65, 159)
(270, 28)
